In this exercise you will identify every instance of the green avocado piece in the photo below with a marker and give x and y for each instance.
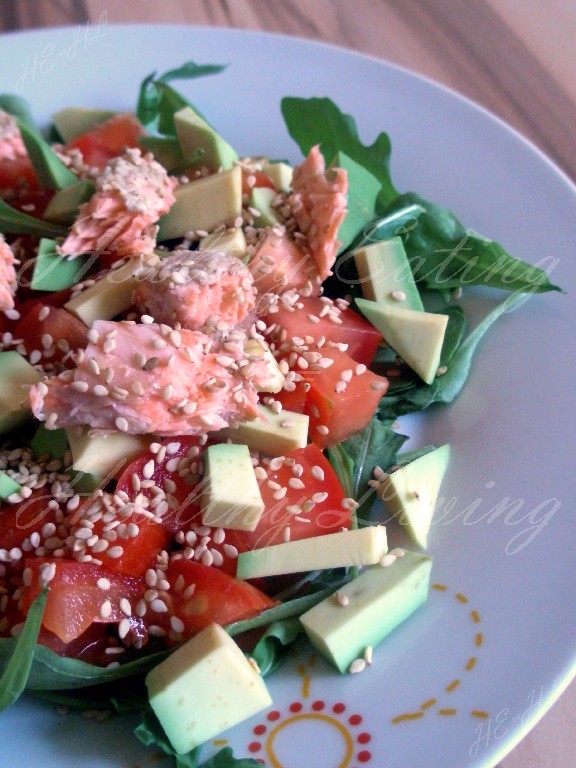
(364, 611)
(49, 442)
(385, 275)
(203, 204)
(8, 486)
(416, 336)
(16, 378)
(363, 189)
(194, 133)
(261, 198)
(281, 175)
(53, 272)
(64, 206)
(72, 122)
(411, 492)
(166, 150)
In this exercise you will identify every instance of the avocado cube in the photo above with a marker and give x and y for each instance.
(261, 198)
(411, 492)
(280, 174)
(7, 486)
(367, 609)
(386, 276)
(271, 433)
(104, 455)
(49, 442)
(203, 688)
(53, 272)
(232, 242)
(65, 205)
(363, 189)
(194, 133)
(203, 204)
(416, 336)
(363, 546)
(259, 348)
(231, 496)
(16, 378)
(72, 122)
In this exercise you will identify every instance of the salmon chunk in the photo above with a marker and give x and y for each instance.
(151, 378)
(11, 144)
(8, 282)
(198, 289)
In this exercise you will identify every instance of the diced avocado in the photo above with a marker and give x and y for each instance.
(261, 198)
(194, 133)
(64, 206)
(363, 189)
(260, 349)
(49, 442)
(203, 204)
(411, 492)
(231, 242)
(363, 546)
(72, 122)
(53, 272)
(364, 611)
(109, 296)
(274, 434)
(416, 336)
(231, 497)
(104, 455)
(280, 174)
(16, 378)
(203, 688)
(166, 150)
(8, 486)
(385, 275)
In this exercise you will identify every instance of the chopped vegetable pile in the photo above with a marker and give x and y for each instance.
(203, 356)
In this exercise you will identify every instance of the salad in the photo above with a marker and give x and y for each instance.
(109, 293)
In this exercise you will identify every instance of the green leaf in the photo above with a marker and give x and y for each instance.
(19, 108)
(320, 121)
(15, 222)
(50, 170)
(444, 254)
(157, 101)
(151, 734)
(53, 272)
(17, 669)
(270, 651)
(225, 759)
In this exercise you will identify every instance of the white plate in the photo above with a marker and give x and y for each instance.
(504, 549)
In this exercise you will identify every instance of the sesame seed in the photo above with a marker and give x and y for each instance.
(358, 665)
(387, 560)
(100, 390)
(149, 469)
(158, 606)
(368, 652)
(123, 628)
(322, 429)
(341, 599)
(442, 370)
(115, 552)
(106, 609)
(121, 424)
(398, 295)
(125, 607)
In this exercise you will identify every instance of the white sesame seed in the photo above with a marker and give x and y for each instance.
(121, 424)
(358, 665)
(387, 560)
(115, 552)
(398, 295)
(341, 599)
(123, 628)
(106, 609)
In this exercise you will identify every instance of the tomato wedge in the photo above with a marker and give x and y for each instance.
(108, 140)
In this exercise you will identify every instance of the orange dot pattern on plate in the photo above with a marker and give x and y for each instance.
(335, 716)
(478, 641)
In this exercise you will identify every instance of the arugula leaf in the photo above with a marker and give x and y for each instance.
(356, 458)
(445, 389)
(19, 108)
(270, 651)
(151, 734)
(15, 222)
(15, 675)
(225, 759)
(320, 121)
(157, 101)
(444, 254)
(50, 170)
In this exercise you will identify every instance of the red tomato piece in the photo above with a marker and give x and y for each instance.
(108, 140)
(17, 174)
(215, 596)
(342, 398)
(314, 318)
(19, 521)
(178, 473)
(90, 646)
(75, 600)
(43, 321)
(258, 178)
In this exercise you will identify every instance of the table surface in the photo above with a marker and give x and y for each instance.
(512, 57)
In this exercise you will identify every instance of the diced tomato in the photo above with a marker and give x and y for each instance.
(90, 646)
(295, 399)
(17, 173)
(75, 600)
(43, 323)
(315, 318)
(177, 474)
(311, 506)
(342, 398)
(19, 521)
(259, 179)
(108, 140)
(137, 537)
(215, 597)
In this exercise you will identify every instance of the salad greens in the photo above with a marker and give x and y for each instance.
(443, 254)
